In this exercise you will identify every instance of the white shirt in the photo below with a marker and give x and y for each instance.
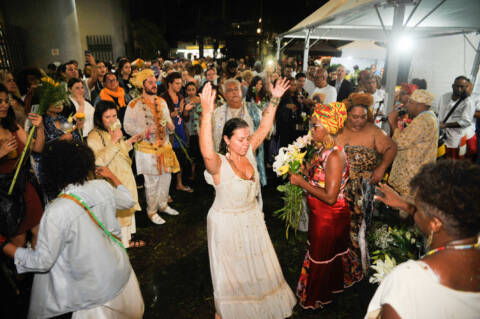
(224, 113)
(379, 106)
(329, 91)
(309, 87)
(136, 120)
(89, 110)
(414, 291)
(463, 115)
(77, 265)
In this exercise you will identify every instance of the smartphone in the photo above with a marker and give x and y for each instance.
(34, 108)
(87, 52)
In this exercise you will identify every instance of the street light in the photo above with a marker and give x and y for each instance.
(259, 30)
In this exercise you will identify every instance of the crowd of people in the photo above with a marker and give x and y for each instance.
(134, 124)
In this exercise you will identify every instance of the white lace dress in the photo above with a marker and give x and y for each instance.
(247, 279)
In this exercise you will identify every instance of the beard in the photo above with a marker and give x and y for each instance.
(151, 91)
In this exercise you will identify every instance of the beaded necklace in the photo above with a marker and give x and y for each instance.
(454, 247)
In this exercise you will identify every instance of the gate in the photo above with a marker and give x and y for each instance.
(11, 49)
(101, 47)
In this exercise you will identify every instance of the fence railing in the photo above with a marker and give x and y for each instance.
(100, 46)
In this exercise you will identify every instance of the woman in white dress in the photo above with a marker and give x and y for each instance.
(77, 97)
(247, 279)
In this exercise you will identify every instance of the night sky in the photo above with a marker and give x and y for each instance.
(186, 19)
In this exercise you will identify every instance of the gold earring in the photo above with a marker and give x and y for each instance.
(428, 243)
(328, 142)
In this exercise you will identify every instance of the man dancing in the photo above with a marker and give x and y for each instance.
(154, 156)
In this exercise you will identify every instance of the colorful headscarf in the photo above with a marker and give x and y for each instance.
(332, 116)
(408, 88)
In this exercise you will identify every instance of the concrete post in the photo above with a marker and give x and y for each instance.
(393, 57)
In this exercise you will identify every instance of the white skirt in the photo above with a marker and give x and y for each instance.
(127, 305)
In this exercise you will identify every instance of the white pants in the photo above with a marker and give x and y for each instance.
(127, 305)
(156, 191)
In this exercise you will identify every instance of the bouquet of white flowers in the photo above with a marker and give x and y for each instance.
(290, 159)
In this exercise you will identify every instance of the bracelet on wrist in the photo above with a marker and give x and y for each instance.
(275, 101)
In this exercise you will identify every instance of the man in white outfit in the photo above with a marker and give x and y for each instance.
(324, 92)
(154, 156)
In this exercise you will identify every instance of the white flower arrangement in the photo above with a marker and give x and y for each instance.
(382, 268)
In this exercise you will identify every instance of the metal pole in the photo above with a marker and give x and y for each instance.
(393, 57)
(476, 63)
(306, 49)
(279, 41)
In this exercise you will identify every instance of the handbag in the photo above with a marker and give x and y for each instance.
(12, 207)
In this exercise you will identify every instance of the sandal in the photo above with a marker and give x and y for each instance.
(136, 243)
(187, 189)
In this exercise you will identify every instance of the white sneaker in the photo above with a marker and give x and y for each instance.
(156, 219)
(171, 211)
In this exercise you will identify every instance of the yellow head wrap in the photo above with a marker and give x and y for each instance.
(332, 116)
(138, 78)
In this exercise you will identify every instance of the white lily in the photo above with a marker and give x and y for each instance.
(382, 268)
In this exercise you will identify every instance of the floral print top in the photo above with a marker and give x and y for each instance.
(316, 174)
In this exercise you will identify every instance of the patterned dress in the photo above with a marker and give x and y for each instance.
(362, 161)
(322, 272)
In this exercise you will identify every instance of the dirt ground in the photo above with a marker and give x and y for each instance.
(173, 268)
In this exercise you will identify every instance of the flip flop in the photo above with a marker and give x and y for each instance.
(136, 243)
(185, 189)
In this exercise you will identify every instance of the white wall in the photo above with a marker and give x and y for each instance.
(440, 60)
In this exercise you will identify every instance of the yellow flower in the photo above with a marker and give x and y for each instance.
(70, 119)
(283, 169)
(300, 156)
(79, 116)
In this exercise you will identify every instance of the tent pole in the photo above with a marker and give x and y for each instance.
(306, 49)
(393, 57)
(279, 40)
(476, 63)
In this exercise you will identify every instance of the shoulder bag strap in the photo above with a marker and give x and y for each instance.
(80, 202)
(453, 109)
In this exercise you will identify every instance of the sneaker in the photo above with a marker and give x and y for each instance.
(171, 211)
(156, 219)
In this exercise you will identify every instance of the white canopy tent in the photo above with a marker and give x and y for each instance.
(389, 21)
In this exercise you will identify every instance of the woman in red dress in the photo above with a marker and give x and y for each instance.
(12, 141)
(329, 224)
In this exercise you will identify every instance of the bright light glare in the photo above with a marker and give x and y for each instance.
(405, 43)
(349, 57)
(259, 30)
(260, 20)
(270, 63)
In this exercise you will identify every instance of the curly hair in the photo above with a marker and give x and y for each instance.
(453, 189)
(263, 91)
(364, 100)
(64, 163)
